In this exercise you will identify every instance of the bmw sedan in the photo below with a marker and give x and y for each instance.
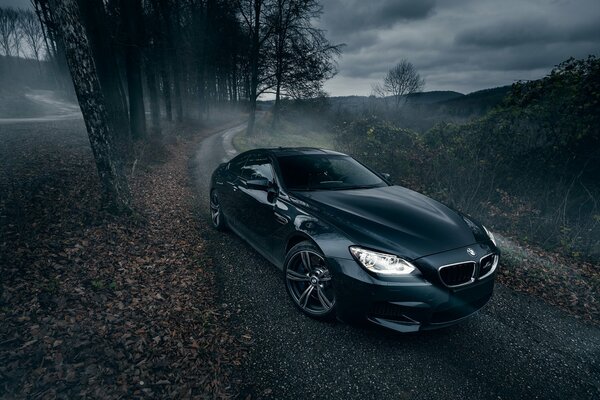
(351, 244)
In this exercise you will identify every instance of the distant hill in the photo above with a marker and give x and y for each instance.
(420, 111)
(415, 98)
(435, 96)
(443, 101)
(478, 102)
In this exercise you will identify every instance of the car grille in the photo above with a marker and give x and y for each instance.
(457, 274)
(486, 264)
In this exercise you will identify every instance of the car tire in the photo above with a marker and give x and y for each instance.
(309, 282)
(217, 217)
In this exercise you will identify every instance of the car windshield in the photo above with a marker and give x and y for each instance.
(326, 172)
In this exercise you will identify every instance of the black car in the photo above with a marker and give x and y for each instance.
(353, 245)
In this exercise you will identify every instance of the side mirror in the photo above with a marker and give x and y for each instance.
(386, 176)
(258, 184)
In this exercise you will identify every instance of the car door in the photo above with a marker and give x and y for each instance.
(256, 212)
(228, 193)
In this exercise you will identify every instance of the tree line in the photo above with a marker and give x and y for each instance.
(177, 60)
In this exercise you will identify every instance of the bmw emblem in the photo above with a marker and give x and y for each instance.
(471, 252)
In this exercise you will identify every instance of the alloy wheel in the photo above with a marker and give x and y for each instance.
(309, 283)
(215, 209)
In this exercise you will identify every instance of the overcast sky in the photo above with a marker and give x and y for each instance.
(461, 45)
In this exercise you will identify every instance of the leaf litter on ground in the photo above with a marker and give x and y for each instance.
(94, 305)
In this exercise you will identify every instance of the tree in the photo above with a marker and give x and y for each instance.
(7, 26)
(170, 12)
(131, 12)
(32, 33)
(95, 20)
(254, 16)
(401, 80)
(301, 55)
(91, 101)
(10, 31)
(17, 32)
(55, 52)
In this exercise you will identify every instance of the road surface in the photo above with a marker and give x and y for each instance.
(56, 109)
(516, 347)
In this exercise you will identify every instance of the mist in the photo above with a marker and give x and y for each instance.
(122, 274)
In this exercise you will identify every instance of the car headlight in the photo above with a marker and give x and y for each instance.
(382, 263)
(490, 235)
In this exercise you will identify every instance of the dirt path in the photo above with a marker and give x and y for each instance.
(55, 108)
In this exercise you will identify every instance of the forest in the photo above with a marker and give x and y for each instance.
(115, 113)
(179, 59)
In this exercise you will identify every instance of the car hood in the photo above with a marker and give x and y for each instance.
(394, 219)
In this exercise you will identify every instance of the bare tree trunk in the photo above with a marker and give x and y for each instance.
(94, 17)
(171, 53)
(234, 78)
(254, 67)
(201, 61)
(87, 87)
(279, 49)
(131, 11)
(165, 83)
(209, 52)
(154, 104)
(177, 75)
(177, 91)
(55, 50)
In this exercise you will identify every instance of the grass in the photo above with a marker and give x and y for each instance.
(286, 134)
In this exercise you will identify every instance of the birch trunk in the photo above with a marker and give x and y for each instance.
(91, 101)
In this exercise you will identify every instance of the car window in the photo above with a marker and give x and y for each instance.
(235, 165)
(257, 167)
(325, 172)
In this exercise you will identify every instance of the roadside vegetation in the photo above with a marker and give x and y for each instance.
(286, 132)
(529, 166)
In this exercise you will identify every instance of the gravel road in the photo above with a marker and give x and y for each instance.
(516, 347)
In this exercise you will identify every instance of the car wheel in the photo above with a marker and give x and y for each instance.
(309, 281)
(216, 214)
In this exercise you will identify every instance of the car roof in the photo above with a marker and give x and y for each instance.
(295, 151)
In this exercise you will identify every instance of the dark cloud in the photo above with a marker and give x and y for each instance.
(344, 16)
(509, 33)
(526, 31)
(362, 39)
(461, 45)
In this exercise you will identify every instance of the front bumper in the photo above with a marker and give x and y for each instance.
(407, 304)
